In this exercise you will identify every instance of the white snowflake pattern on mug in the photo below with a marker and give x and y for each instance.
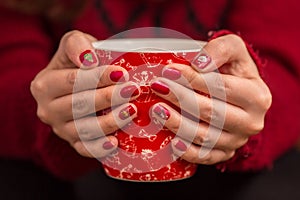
(144, 134)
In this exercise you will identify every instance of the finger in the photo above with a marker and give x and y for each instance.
(200, 155)
(75, 49)
(229, 49)
(97, 148)
(70, 80)
(100, 77)
(90, 101)
(226, 87)
(93, 127)
(195, 132)
(211, 137)
(213, 111)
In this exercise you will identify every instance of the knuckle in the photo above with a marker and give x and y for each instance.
(219, 86)
(107, 97)
(174, 127)
(206, 112)
(241, 142)
(199, 139)
(37, 87)
(207, 160)
(234, 144)
(236, 41)
(43, 115)
(80, 105)
(108, 125)
(202, 137)
(255, 127)
(62, 130)
(190, 158)
(175, 100)
(210, 140)
(83, 132)
(230, 154)
(192, 77)
(195, 157)
(174, 97)
(72, 36)
(222, 47)
(235, 38)
(57, 130)
(68, 131)
(265, 100)
(79, 147)
(81, 128)
(102, 74)
(71, 77)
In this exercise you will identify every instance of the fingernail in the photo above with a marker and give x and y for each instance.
(171, 74)
(88, 58)
(162, 112)
(126, 112)
(180, 146)
(107, 145)
(160, 87)
(129, 91)
(117, 76)
(201, 61)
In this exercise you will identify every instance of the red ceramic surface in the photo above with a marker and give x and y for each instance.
(145, 152)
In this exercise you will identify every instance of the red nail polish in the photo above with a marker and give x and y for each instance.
(162, 112)
(129, 91)
(160, 88)
(180, 146)
(107, 145)
(171, 74)
(201, 61)
(117, 76)
(88, 58)
(126, 112)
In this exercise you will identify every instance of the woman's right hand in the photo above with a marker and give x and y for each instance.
(69, 110)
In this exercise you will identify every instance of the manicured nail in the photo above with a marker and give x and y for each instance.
(171, 74)
(129, 91)
(107, 145)
(180, 146)
(117, 76)
(88, 58)
(126, 112)
(201, 61)
(162, 112)
(160, 87)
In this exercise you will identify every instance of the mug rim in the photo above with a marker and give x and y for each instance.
(150, 45)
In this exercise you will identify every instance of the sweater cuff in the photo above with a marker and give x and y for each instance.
(247, 157)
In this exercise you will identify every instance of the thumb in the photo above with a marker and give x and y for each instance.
(75, 50)
(229, 50)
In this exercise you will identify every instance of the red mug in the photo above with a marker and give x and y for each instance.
(145, 152)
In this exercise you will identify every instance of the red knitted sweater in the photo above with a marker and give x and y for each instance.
(28, 42)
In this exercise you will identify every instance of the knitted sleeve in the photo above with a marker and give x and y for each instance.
(25, 49)
(271, 28)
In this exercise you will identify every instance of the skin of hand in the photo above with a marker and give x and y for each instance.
(225, 61)
(73, 87)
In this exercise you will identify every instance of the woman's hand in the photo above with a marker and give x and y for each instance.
(72, 88)
(237, 111)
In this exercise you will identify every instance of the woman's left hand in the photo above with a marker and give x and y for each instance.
(237, 111)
